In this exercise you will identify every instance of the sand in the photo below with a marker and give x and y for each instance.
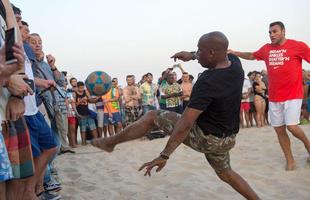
(93, 174)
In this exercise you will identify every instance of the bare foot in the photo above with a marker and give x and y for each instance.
(290, 166)
(102, 144)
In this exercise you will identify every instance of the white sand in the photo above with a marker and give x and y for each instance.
(93, 174)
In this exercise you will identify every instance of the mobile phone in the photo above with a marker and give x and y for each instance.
(30, 83)
(10, 39)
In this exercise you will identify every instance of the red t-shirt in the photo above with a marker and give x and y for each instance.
(284, 67)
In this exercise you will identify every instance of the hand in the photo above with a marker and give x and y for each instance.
(230, 51)
(7, 70)
(41, 56)
(18, 53)
(48, 83)
(84, 99)
(15, 108)
(17, 85)
(51, 61)
(159, 162)
(183, 55)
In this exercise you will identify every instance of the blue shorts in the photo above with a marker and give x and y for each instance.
(41, 135)
(5, 165)
(87, 122)
(116, 118)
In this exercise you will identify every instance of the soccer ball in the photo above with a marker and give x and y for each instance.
(98, 83)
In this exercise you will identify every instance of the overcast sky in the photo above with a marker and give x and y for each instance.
(124, 37)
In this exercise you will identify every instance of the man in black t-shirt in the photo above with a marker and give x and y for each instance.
(211, 120)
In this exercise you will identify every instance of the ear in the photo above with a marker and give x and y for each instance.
(212, 52)
(283, 31)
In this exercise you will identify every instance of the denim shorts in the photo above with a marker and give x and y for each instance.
(116, 118)
(87, 122)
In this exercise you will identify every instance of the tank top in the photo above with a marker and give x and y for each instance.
(81, 108)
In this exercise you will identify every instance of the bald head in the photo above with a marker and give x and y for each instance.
(215, 40)
(212, 49)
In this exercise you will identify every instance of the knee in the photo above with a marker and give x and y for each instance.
(51, 151)
(151, 115)
(280, 130)
(292, 128)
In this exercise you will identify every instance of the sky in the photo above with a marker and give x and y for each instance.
(124, 37)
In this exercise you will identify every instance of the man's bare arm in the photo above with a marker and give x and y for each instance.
(244, 55)
(181, 130)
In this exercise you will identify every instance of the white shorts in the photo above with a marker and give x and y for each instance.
(285, 113)
(100, 118)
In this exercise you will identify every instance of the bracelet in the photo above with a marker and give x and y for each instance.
(194, 55)
(18, 96)
(54, 69)
(164, 156)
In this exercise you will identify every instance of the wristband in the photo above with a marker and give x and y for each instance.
(194, 55)
(164, 156)
(18, 97)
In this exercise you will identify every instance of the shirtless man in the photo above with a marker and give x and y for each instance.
(132, 96)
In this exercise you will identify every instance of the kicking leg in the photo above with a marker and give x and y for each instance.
(164, 120)
(134, 131)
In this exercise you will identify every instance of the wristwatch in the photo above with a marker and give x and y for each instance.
(194, 55)
(164, 156)
(21, 97)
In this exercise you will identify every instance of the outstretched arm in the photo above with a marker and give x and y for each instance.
(184, 56)
(244, 55)
(179, 134)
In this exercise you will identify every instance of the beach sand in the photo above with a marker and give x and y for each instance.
(93, 174)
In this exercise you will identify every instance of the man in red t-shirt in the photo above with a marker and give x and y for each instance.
(283, 58)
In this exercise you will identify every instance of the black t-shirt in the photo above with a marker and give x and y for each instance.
(218, 93)
(82, 108)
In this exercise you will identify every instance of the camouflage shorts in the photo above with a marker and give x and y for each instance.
(215, 149)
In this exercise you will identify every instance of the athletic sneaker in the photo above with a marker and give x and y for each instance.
(48, 196)
(52, 186)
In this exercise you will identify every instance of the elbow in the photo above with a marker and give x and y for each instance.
(251, 57)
